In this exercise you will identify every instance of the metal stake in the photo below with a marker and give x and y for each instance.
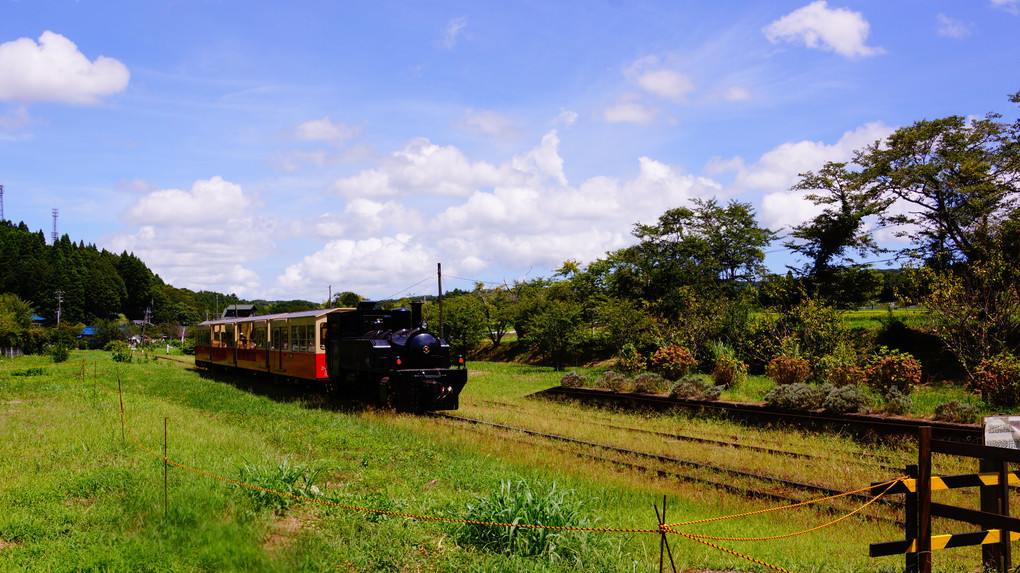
(165, 464)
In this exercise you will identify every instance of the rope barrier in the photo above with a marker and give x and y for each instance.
(890, 485)
(662, 528)
(801, 504)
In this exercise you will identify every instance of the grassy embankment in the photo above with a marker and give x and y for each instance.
(74, 495)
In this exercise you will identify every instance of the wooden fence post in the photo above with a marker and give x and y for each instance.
(911, 530)
(924, 499)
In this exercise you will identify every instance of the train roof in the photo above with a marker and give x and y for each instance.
(278, 316)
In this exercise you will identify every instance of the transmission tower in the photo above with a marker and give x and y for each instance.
(2, 203)
(55, 211)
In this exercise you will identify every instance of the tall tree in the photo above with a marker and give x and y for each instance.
(953, 180)
(831, 239)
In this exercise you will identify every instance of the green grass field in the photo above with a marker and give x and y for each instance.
(76, 496)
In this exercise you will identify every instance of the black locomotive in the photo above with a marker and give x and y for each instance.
(391, 357)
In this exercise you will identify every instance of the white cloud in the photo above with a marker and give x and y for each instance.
(628, 110)
(453, 31)
(489, 123)
(818, 26)
(15, 120)
(1011, 6)
(566, 117)
(527, 216)
(336, 134)
(365, 218)
(953, 28)
(424, 168)
(362, 266)
(54, 70)
(736, 93)
(660, 79)
(200, 238)
(542, 225)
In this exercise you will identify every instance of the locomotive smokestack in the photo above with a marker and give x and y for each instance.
(416, 314)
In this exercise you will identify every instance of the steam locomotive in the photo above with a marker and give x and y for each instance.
(383, 357)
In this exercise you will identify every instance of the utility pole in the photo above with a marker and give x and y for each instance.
(60, 300)
(439, 272)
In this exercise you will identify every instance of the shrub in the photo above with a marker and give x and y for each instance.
(840, 368)
(894, 369)
(845, 375)
(615, 381)
(845, 399)
(293, 479)
(694, 388)
(651, 384)
(516, 502)
(120, 350)
(998, 380)
(673, 362)
(188, 347)
(897, 403)
(729, 372)
(797, 396)
(573, 380)
(956, 412)
(60, 352)
(631, 361)
(788, 370)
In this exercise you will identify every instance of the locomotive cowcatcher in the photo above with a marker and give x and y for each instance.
(383, 357)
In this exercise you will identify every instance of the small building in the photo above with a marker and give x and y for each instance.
(38, 320)
(90, 335)
(239, 311)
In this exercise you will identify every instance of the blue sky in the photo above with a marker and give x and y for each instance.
(275, 149)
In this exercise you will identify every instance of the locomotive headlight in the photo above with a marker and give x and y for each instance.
(399, 362)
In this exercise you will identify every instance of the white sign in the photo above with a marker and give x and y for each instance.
(1002, 431)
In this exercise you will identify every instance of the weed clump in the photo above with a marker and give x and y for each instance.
(845, 399)
(120, 351)
(650, 383)
(59, 352)
(956, 412)
(729, 371)
(615, 381)
(694, 388)
(799, 396)
(517, 503)
(573, 380)
(286, 478)
(897, 403)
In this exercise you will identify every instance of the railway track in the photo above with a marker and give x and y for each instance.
(878, 463)
(627, 458)
(862, 424)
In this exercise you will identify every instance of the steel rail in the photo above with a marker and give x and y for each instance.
(664, 459)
